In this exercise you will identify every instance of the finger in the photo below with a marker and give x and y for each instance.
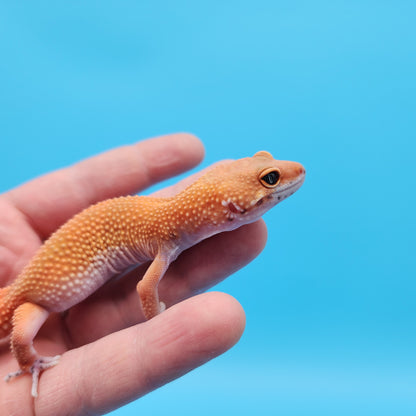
(52, 199)
(18, 242)
(116, 305)
(117, 369)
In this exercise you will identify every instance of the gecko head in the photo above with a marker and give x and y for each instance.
(251, 186)
(235, 193)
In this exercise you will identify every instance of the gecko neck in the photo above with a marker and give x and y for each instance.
(195, 214)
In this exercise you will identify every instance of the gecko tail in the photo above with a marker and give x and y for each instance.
(6, 314)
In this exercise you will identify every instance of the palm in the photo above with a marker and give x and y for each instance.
(107, 358)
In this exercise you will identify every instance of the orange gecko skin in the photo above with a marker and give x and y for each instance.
(107, 238)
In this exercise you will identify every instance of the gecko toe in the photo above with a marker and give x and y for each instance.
(40, 364)
(13, 375)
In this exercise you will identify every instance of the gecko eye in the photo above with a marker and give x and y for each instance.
(270, 179)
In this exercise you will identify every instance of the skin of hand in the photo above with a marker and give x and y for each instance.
(110, 355)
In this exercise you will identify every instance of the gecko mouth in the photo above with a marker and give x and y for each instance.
(279, 195)
(289, 189)
(284, 191)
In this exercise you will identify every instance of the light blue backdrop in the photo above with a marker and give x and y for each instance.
(331, 84)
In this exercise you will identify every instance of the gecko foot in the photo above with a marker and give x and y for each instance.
(42, 363)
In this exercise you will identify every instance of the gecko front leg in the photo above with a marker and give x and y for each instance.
(148, 286)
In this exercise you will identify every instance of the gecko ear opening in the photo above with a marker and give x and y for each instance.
(263, 153)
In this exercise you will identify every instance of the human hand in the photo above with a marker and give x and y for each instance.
(109, 355)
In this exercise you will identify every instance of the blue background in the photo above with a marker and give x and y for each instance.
(331, 84)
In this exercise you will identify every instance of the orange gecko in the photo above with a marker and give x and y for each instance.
(109, 237)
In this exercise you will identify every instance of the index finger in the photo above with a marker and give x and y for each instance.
(50, 200)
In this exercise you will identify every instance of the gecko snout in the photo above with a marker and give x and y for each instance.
(291, 170)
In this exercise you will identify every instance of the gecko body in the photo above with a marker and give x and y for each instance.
(110, 236)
